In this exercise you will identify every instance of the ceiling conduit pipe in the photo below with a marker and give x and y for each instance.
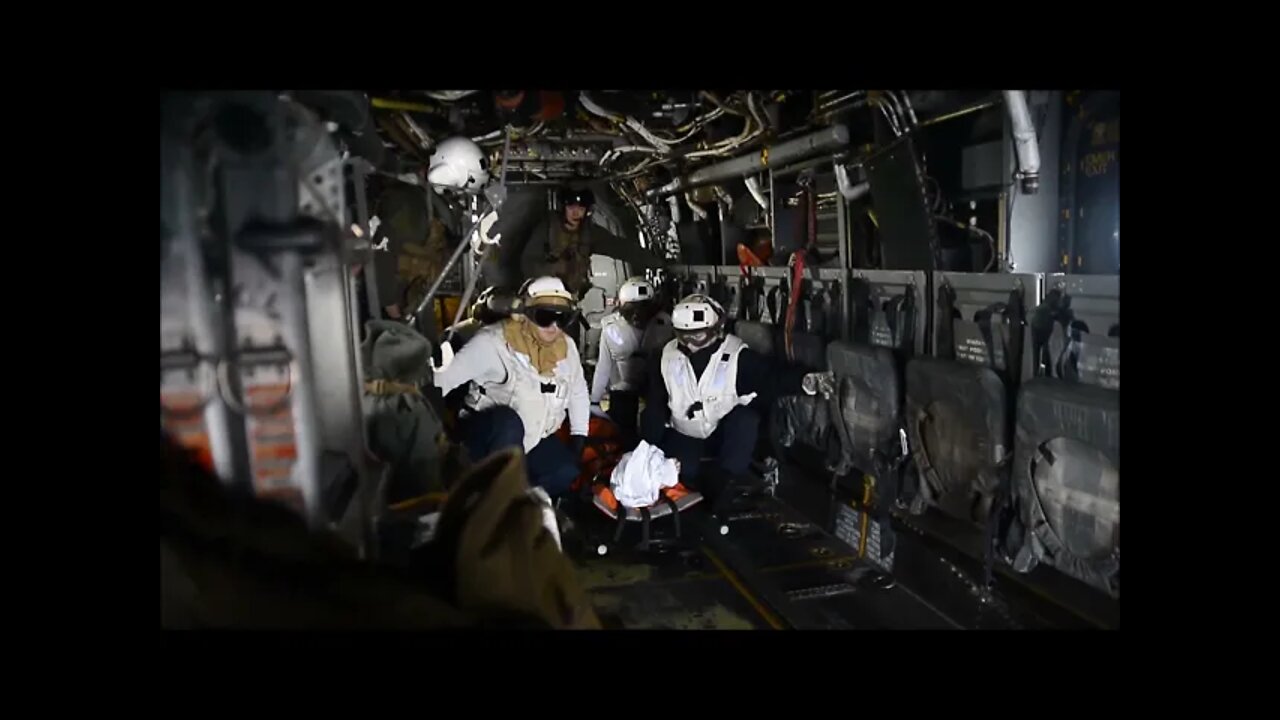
(1024, 140)
(826, 140)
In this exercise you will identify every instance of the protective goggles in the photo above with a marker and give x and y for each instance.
(638, 311)
(545, 317)
(697, 339)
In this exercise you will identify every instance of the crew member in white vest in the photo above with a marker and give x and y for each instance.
(630, 337)
(524, 376)
(707, 393)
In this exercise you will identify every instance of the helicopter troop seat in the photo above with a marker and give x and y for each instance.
(790, 418)
(758, 336)
(959, 411)
(1066, 467)
(863, 399)
(888, 328)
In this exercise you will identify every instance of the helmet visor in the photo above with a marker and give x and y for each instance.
(638, 312)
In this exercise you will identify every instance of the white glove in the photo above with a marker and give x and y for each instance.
(814, 383)
(597, 411)
(446, 357)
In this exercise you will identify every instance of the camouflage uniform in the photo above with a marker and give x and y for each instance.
(553, 250)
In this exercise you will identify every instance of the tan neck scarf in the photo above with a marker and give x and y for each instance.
(522, 336)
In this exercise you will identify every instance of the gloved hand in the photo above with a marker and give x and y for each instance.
(598, 411)
(815, 383)
(442, 356)
(577, 443)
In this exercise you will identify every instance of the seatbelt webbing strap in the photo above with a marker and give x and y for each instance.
(946, 349)
(860, 291)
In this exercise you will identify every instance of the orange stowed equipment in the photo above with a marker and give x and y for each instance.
(755, 255)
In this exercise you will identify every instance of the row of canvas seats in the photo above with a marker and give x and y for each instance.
(1014, 419)
(993, 399)
(1066, 474)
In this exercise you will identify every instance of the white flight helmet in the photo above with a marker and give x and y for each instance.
(545, 290)
(545, 301)
(637, 301)
(459, 164)
(698, 321)
(635, 289)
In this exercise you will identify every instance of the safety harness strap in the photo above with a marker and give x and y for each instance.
(836, 411)
(386, 388)
(819, 305)
(860, 291)
(946, 349)
(1055, 310)
(777, 293)
(751, 299)
(898, 316)
(929, 477)
(1000, 505)
(833, 306)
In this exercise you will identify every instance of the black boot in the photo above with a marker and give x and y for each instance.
(727, 491)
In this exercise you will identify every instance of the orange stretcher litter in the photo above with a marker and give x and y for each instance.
(603, 450)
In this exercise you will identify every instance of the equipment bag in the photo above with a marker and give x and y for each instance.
(405, 431)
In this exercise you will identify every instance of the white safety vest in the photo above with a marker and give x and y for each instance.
(541, 401)
(628, 347)
(717, 389)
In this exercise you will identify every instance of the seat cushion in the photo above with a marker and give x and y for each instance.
(958, 427)
(758, 336)
(809, 350)
(868, 398)
(1066, 476)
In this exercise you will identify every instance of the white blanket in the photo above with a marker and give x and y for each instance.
(641, 474)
